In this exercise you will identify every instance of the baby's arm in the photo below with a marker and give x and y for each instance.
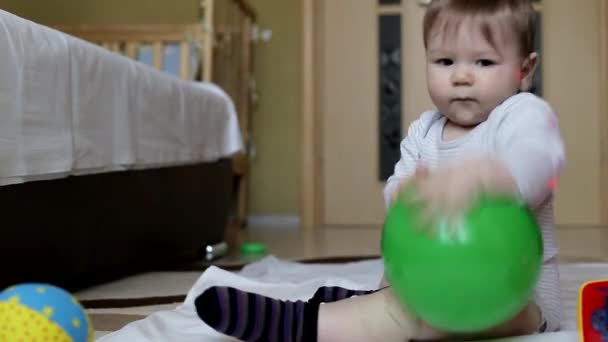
(530, 148)
(405, 168)
(527, 159)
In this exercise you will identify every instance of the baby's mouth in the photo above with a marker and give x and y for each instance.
(463, 99)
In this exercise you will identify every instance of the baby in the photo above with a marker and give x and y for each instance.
(487, 134)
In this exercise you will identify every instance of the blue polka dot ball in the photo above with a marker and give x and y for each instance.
(42, 312)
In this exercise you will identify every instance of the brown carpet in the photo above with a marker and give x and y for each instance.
(118, 303)
(112, 322)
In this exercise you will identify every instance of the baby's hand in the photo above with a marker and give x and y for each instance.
(447, 193)
(421, 172)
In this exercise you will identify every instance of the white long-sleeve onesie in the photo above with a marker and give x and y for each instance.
(523, 132)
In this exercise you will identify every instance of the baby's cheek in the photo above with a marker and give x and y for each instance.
(518, 75)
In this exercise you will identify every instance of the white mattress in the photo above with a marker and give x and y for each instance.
(68, 107)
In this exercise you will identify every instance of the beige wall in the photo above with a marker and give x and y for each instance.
(275, 171)
(573, 86)
(50, 12)
(276, 133)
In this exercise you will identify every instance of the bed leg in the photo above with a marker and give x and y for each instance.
(242, 209)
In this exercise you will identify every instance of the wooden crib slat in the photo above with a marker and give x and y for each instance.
(245, 74)
(115, 47)
(184, 60)
(110, 33)
(208, 43)
(131, 49)
(157, 50)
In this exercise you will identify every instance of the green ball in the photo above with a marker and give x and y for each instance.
(469, 279)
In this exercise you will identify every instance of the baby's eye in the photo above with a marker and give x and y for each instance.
(444, 61)
(486, 62)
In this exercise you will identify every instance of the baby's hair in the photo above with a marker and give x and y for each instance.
(518, 15)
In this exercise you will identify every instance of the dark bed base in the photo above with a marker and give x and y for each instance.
(80, 231)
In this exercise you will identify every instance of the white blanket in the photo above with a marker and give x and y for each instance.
(289, 280)
(71, 107)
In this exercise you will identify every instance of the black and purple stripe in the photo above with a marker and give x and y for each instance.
(252, 317)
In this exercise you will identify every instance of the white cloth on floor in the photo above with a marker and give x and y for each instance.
(271, 277)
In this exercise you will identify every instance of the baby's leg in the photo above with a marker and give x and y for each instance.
(366, 316)
(380, 317)
(373, 317)
(525, 323)
(253, 317)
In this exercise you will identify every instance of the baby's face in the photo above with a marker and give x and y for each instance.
(468, 77)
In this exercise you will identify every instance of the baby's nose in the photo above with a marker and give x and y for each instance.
(462, 76)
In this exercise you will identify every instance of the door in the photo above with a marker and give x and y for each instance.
(370, 85)
(349, 101)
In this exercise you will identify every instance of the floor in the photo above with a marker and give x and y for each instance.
(293, 243)
(290, 242)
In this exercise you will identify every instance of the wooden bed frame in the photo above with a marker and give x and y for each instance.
(76, 232)
(223, 40)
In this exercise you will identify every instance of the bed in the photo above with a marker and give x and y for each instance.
(109, 166)
(218, 48)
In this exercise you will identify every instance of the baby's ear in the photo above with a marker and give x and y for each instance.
(528, 66)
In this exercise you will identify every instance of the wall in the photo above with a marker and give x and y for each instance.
(572, 86)
(50, 12)
(276, 123)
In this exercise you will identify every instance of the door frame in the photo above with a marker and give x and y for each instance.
(310, 173)
(603, 13)
(311, 200)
